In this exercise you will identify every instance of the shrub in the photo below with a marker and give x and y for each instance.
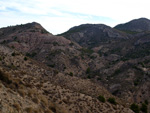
(5, 78)
(35, 100)
(17, 106)
(71, 44)
(101, 98)
(118, 71)
(71, 74)
(13, 54)
(0, 58)
(25, 58)
(48, 111)
(144, 108)
(112, 101)
(134, 107)
(146, 102)
(21, 92)
(29, 110)
(88, 70)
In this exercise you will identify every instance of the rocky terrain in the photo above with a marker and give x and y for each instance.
(91, 68)
(31, 87)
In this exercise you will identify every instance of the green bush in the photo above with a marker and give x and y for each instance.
(146, 102)
(88, 70)
(71, 74)
(134, 107)
(13, 54)
(25, 58)
(112, 101)
(101, 98)
(0, 58)
(144, 108)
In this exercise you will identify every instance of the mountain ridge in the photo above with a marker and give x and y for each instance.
(136, 25)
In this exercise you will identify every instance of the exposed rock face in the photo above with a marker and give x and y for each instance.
(137, 25)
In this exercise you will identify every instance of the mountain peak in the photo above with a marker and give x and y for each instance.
(137, 25)
(89, 35)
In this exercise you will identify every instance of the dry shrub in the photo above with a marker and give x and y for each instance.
(5, 78)
(29, 110)
(1, 86)
(31, 92)
(16, 106)
(56, 108)
(35, 100)
(48, 111)
(43, 99)
(22, 92)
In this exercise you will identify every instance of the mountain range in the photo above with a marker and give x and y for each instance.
(91, 68)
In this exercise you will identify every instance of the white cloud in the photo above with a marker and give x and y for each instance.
(59, 15)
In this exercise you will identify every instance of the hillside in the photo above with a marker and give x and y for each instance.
(120, 64)
(28, 86)
(34, 41)
(73, 69)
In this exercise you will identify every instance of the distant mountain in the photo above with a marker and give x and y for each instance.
(137, 25)
(91, 35)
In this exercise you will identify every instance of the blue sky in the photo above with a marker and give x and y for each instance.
(57, 16)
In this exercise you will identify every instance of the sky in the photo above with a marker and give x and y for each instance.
(57, 16)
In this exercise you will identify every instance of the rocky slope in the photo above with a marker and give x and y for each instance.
(28, 86)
